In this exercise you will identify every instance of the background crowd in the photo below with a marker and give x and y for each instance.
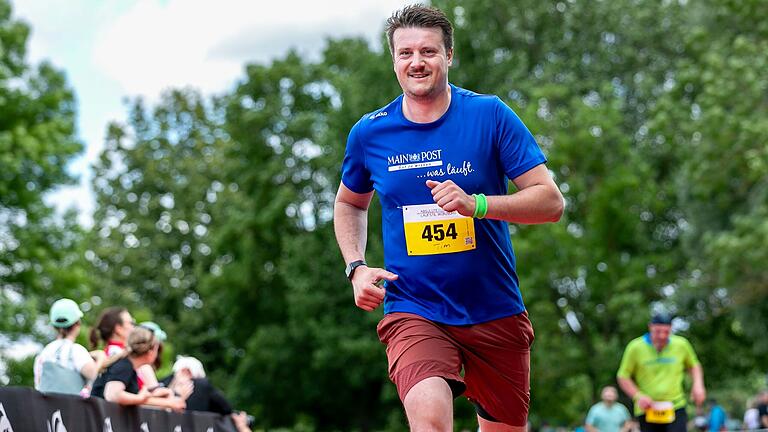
(122, 364)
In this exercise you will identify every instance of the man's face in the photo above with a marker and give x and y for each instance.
(659, 335)
(421, 62)
(609, 395)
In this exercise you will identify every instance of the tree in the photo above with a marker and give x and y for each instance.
(40, 255)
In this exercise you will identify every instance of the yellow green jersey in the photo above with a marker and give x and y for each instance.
(659, 375)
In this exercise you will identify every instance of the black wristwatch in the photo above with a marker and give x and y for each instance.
(352, 266)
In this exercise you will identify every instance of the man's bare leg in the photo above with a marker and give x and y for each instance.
(429, 406)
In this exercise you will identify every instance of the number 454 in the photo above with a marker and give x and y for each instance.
(437, 233)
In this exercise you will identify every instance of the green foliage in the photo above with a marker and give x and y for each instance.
(20, 372)
(40, 255)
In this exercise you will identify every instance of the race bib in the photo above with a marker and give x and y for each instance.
(660, 413)
(430, 230)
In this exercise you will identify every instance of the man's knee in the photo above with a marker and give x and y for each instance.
(429, 406)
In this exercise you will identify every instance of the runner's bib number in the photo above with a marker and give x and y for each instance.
(430, 230)
(660, 413)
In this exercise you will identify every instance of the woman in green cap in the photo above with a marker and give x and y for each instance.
(64, 366)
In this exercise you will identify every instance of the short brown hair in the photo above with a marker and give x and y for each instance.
(419, 16)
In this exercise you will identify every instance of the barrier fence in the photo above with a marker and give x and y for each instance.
(23, 409)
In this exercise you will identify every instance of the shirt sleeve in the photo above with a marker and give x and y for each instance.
(627, 365)
(691, 359)
(624, 412)
(80, 356)
(518, 150)
(354, 171)
(591, 416)
(121, 371)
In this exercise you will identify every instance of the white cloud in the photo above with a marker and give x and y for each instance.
(113, 49)
(154, 46)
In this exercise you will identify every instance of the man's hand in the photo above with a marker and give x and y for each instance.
(450, 197)
(698, 394)
(368, 294)
(644, 402)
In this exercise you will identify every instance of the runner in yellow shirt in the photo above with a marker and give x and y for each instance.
(651, 373)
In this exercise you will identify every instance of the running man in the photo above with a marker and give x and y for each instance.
(439, 158)
(651, 373)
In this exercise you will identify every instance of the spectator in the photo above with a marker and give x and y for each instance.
(762, 409)
(608, 415)
(113, 327)
(119, 383)
(204, 397)
(751, 416)
(64, 366)
(717, 417)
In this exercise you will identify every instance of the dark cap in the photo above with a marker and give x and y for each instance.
(661, 318)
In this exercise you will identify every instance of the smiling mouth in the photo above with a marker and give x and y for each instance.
(418, 75)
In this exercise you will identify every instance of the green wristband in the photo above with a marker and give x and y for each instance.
(481, 206)
(484, 208)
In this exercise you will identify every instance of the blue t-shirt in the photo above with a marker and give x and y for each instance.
(478, 143)
(717, 419)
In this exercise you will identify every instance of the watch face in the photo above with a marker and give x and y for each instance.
(352, 266)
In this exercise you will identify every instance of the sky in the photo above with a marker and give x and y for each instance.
(112, 50)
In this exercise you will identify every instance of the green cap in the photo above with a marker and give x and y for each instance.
(65, 313)
(159, 333)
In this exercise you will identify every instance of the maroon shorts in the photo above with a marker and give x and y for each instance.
(495, 356)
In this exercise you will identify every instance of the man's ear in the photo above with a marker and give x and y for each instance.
(449, 55)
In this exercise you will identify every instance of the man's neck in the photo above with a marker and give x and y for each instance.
(427, 109)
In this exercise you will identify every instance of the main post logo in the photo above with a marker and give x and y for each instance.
(422, 159)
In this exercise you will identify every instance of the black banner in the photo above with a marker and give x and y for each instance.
(26, 410)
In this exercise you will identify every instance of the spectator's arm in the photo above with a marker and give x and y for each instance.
(147, 374)
(764, 420)
(91, 369)
(114, 391)
(590, 428)
(173, 403)
(240, 420)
